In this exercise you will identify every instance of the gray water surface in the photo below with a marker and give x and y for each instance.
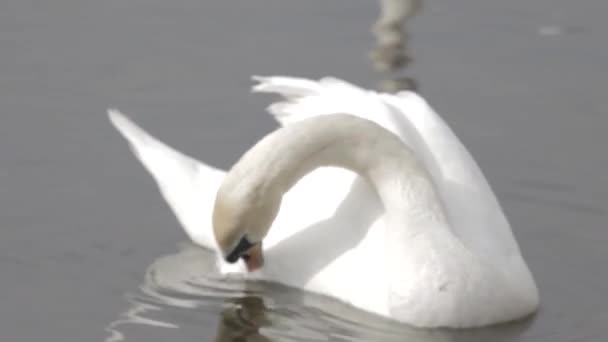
(89, 251)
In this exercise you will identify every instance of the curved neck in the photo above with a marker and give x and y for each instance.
(279, 160)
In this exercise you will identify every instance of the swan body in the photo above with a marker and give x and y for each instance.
(422, 240)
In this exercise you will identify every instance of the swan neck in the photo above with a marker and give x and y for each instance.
(283, 157)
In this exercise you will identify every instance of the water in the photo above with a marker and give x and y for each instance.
(182, 299)
(88, 249)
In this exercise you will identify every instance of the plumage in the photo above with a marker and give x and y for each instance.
(330, 235)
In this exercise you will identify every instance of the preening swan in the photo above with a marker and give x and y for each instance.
(366, 197)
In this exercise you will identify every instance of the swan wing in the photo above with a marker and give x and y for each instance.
(470, 203)
(303, 98)
(188, 186)
(472, 207)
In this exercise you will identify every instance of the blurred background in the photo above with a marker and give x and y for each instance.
(522, 83)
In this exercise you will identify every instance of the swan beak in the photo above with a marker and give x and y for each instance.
(254, 258)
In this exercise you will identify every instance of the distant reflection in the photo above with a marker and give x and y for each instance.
(391, 56)
(183, 299)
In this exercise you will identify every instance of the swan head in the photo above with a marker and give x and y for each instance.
(240, 224)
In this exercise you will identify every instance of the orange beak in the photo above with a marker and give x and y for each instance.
(254, 258)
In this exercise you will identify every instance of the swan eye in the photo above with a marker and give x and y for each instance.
(239, 250)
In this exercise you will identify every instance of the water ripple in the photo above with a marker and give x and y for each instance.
(183, 298)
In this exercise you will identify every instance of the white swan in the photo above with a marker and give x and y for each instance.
(419, 237)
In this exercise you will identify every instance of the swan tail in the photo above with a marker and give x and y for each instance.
(187, 185)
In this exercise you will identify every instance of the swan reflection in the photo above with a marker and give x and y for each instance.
(391, 55)
(183, 297)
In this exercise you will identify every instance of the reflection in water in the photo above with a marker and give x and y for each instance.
(390, 54)
(184, 291)
(244, 322)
